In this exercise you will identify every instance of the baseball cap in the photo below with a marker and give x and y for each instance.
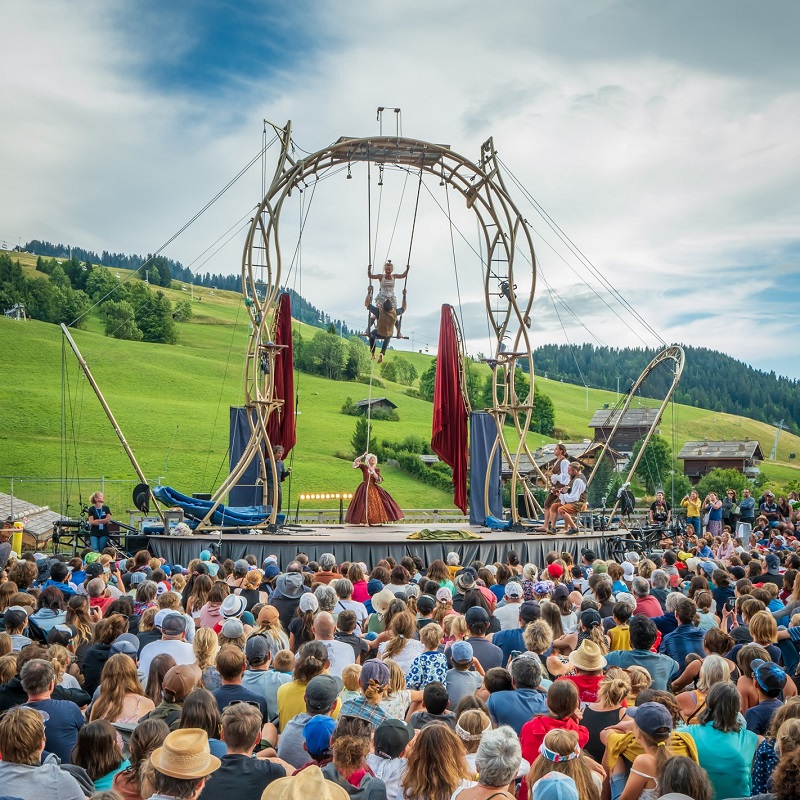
(770, 677)
(628, 570)
(555, 786)
(173, 624)
(461, 651)
(181, 679)
(653, 719)
(513, 589)
(240, 565)
(317, 734)
(321, 692)
(91, 558)
(425, 603)
(137, 578)
(232, 628)
(591, 618)
(477, 615)
(560, 591)
(15, 616)
(737, 572)
(374, 586)
(271, 571)
(374, 670)
(256, 649)
(708, 567)
(530, 611)
(308, 602)
(268, 614)
(94, 570)
(588, 554)
(392, 737)
(444, 595)
(125, 643)
(205, 555)
(773, 564)
(555, 570)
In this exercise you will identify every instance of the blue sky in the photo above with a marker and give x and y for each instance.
(661, 138)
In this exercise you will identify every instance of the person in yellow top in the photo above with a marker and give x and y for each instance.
(295, 698)
(692, 505)
(620, 634)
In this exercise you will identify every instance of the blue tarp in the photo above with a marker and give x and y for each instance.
(223, 516)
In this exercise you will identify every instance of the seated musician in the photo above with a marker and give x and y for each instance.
(572, 498)
(385, 320)
(559, 477)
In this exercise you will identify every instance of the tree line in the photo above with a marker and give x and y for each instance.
(710, 379)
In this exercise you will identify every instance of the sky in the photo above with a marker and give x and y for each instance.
(661, 138)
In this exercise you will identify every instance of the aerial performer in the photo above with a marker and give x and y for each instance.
(386, 318)
(283, 473)
(99, 517)
(371, 503)
(386, 286)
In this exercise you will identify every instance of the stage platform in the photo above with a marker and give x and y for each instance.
(370, 545)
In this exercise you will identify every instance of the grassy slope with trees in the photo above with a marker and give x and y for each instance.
(172, 402)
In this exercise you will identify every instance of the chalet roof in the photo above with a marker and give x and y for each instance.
(733, 449)
(38, 519)
(585, 452)
(374, 401)
(632, 418)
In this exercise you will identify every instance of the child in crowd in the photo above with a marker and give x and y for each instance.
(434, 701)
(431, 665)
(563, 704)
(389, 745)
(462, 681)
(346, 624)
(707, 619)
(350, 675)
(620, 634)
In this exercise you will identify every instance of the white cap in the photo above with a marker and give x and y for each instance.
(628, 570)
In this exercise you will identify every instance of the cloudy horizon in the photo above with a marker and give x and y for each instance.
(660, 138)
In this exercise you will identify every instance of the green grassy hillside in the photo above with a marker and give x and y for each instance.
(172, 403)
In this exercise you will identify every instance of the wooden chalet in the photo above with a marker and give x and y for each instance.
(635, 424)
(699, 458)
(376, 403)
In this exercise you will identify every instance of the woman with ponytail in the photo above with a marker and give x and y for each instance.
(312, 660)
(590, 627)
(402, 647)
(374, 683)
(607, 710)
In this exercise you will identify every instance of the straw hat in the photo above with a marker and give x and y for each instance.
(185, 754)
(309, 782)
(382, 600)
(587, 657)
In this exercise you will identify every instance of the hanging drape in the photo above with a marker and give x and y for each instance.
(449, 438)
(281, 423)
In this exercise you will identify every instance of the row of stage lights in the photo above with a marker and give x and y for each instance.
(326, 496)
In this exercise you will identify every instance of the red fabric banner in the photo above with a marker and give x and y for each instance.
(281, 423)
(449, 437)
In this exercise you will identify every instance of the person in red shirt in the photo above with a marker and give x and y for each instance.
(96, 589)
(645, 602)
(564, 706)
(588, 663)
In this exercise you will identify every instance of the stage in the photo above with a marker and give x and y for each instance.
(370, 545)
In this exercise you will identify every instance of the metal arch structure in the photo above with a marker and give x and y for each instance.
(675, 354)
(503, 234)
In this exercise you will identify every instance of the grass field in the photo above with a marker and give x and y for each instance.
(172, 404)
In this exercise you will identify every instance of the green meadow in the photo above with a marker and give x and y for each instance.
(172, 403)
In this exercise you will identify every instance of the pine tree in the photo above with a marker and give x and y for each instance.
(359, 440)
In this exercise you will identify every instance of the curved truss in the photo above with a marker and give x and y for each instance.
(501, 228)
(675, 354)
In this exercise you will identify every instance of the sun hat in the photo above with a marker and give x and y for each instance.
(321, 693)
(308, 602)
(232, 606)
(289, 584)
(232, 628)
(692, 563)
(461, 652)
(654, 719)
(181, 679)
(514, 589)
(588, 657)
(317, 734)
(185, 754)
(382, 600)
(374, 670)
(125, 643)
(633, 557)
(392, 737)
(443, 594)
(256, 648)
(308, 782)
(555, 786)
(542, 587)
(268, 614)
(464, 581)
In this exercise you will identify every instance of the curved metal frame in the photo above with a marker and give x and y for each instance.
(501, 227)
(674, 353)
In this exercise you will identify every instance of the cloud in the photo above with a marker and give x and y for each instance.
(662, 139)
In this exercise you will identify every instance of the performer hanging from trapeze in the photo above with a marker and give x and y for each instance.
(371, 503)
(386, 318)
(386, 290)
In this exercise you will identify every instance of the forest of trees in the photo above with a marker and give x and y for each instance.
(710, 379)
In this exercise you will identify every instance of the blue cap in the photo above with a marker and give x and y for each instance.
(461, 651)
(317, 734)
(166, 569)
(271, 571)
(374, 586)
(555, 786)
(708, 566)
(205, 555)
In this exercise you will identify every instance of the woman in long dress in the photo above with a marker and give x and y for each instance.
(371, 503)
